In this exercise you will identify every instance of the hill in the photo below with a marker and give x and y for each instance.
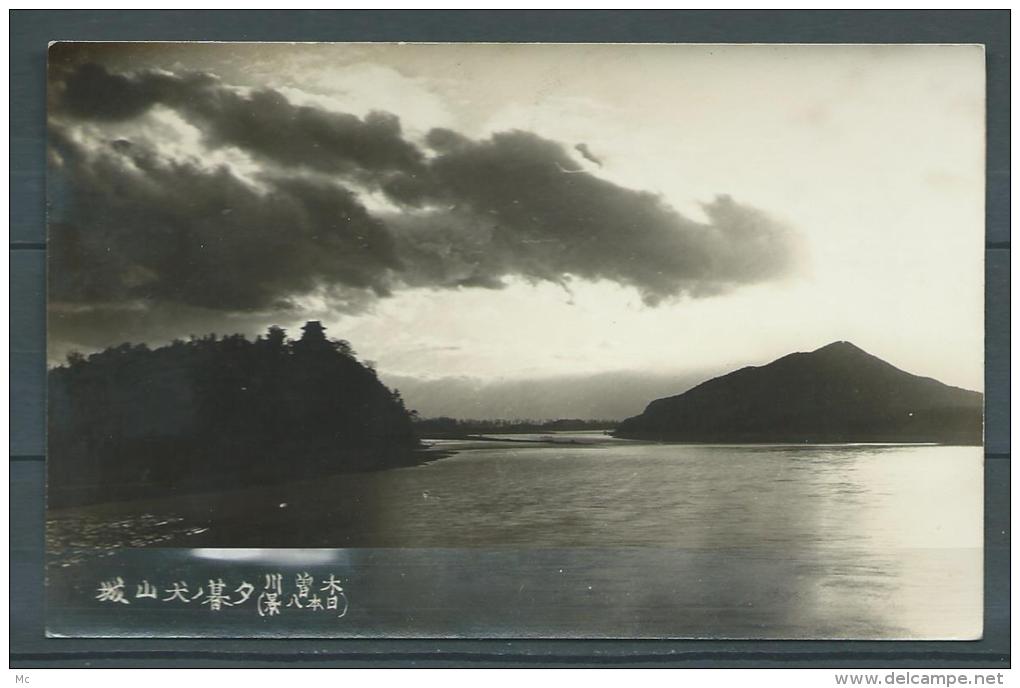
(215, 412)
(838, 393)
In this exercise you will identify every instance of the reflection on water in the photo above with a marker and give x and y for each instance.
(712, 496)
(73, 540)
(614, 537)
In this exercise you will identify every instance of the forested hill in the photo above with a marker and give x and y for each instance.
(214, 412)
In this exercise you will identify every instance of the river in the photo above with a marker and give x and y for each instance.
(583, 535)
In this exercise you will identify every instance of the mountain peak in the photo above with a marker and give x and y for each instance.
(841, 345)
(837, 393)
(843, 352)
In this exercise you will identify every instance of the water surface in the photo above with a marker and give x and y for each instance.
(578, 534)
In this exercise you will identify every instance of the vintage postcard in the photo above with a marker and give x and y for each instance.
(515, 340)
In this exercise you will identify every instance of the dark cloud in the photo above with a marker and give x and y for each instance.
(140, 228)
(132, 225)
(261, 122)
(94, 93)
(516, 205)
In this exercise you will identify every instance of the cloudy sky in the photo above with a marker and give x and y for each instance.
(507, 212)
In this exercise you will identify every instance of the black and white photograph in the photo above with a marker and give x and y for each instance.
(515, 340)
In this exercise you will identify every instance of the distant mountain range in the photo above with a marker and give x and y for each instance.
(610, 395)
(838, 393)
